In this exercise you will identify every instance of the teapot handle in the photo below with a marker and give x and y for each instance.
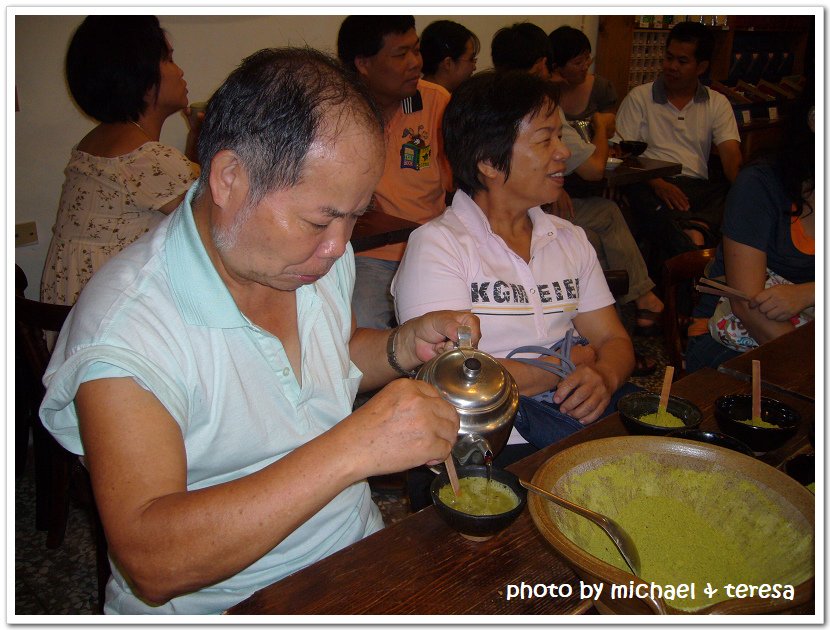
(465, 337)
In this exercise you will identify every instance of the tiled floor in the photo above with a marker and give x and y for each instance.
(62, 581)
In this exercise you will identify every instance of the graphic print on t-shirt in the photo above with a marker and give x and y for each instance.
(506, 298)
(415, 152)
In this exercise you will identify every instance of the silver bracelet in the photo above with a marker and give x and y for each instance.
(392, 358)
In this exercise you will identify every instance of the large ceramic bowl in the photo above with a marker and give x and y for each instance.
(473, 527)
(690, 502)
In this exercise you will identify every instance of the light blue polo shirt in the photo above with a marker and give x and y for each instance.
(159, 312)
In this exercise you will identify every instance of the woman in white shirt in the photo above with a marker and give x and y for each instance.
(531, 278)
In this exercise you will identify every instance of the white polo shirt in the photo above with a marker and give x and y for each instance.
(456, 262)
(677, 135)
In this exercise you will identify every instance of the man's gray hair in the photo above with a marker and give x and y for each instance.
(273, 108)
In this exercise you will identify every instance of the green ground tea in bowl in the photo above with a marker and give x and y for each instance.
(663, 419)
(759, 422)
(690, 526)
(479, 497)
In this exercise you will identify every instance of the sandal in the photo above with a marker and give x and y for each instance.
(642, 366)
(653, 329)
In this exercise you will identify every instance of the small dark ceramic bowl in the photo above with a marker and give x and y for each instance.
(633, 147)
(714, 438)
(730, 410)
(634, 406)
(478, 527)
(802, 468)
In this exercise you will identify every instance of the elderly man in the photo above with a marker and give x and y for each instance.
(208, 373)
(384, 52)
(681, 119)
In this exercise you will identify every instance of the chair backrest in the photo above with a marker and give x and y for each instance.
(32, 320)
(679, 272)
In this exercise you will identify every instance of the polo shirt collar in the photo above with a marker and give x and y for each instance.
(660, 95)
(201, 295)
(412, 104)
(473, 218)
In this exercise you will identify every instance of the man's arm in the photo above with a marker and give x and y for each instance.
(731, 158)
(417, 341)
(170, 541)
(593, 169)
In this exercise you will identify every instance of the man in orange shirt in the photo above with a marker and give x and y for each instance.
(384, 51)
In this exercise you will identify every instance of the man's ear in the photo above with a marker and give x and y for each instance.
(362, 64)
(702, 67)
(228, 180)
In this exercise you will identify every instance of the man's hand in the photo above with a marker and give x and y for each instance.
(784, 301)
(429, 335)
(584, 394)
(404, 425)
(670, 194)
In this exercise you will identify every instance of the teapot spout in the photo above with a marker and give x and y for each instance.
(473, 449)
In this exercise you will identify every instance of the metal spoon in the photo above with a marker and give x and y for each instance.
(620, 538)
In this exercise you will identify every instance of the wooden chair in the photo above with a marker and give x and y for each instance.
(57, 471)
(679, 274)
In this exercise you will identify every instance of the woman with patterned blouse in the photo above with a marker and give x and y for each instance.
(120, 180)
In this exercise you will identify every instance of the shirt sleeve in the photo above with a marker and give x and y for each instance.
(161, 174)
(630, 117)
(431, 276)
(605, 96)
(725, 125)
(580, 150)
(749, 215)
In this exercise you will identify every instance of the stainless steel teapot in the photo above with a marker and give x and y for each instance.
(484, 393)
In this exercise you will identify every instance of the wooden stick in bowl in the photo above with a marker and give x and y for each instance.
(453, 475)
(756, 389)
(664, 393)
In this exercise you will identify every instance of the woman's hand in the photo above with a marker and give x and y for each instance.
(784, 301)
(584, 393)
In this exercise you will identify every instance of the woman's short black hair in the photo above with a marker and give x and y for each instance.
(567, 42)
(112, 61)
(519, 47)
(482, 121)
(443, 39)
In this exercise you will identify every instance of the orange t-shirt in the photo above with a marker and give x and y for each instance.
(416, 175)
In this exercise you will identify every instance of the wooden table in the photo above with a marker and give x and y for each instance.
(375, 229)
(787, 363)
(420, 566)
(631, 171)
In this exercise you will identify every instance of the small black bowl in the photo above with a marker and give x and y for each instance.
(633, 147)
(714, 438)
(634, 406)
(469, 525)
(731, 409)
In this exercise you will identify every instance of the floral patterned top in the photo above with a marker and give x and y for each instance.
(106, 204)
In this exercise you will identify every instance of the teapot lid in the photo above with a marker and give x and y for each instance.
(471, 380)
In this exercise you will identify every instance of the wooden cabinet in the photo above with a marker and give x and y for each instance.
(628, 55)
